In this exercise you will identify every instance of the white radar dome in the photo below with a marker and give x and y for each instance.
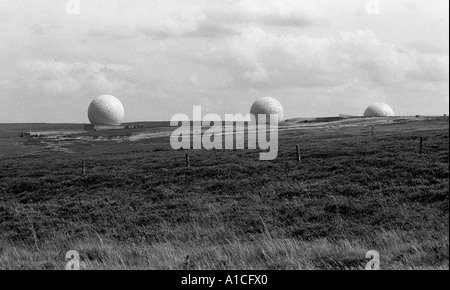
(267, 106)
(106, 111)
(379, 110)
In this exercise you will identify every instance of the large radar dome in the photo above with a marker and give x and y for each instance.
(379, 110)
(267, 106)
(106, 111)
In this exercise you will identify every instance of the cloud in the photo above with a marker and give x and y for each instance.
(208, 22)
(261, 59)
(277, 12)
(161, 57)
(427, 47)
(115, 32)
(430, 68)
(41, 30)
(55, 78)
(200, 26)
(177, 25)
(411, 5)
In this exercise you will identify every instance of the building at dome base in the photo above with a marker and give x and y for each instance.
(91, 127)
(379, 110)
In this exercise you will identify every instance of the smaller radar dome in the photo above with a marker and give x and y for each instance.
(106, 110)
(379, 110)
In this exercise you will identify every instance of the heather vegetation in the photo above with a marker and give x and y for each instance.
(139, 207)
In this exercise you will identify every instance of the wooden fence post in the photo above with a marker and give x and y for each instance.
(421, 145)
(299, 158)
(83, 167)
(188, 164)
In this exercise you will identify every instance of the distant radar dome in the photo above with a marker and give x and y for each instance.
(379, 110)
(106, 111)
(267, 106)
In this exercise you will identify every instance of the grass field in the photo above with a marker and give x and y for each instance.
(140, 207)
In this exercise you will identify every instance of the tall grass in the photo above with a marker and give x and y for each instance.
(397, 251)
(141, 208)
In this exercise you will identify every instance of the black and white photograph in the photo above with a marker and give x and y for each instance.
(202, 137)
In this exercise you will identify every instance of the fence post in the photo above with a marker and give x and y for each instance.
(188, 164)
(299, 158)
(421, 145)
(83, 167)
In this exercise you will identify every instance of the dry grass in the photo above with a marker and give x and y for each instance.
(396, 252)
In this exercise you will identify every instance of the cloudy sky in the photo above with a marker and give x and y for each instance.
(160, 58)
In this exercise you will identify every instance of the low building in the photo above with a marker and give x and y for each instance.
(102, 127)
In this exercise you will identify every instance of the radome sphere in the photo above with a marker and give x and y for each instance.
(106, 110)
(267, 106)
(379, 110)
